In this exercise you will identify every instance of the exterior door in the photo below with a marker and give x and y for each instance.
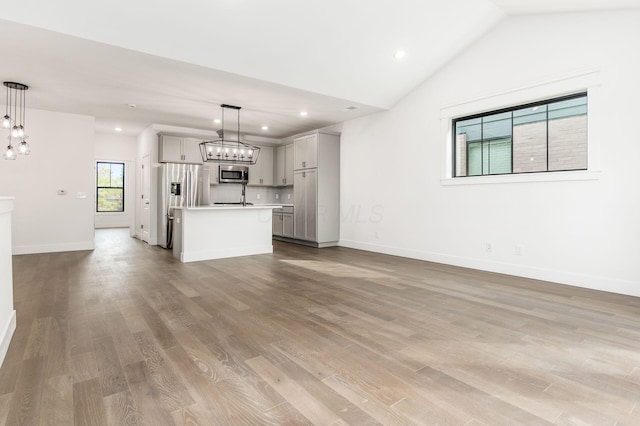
(145, 199)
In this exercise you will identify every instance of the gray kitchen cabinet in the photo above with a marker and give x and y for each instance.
(178, 149)
(276, 226)
(283, 165)
(283, 222)
(305, 152)
(316, 190)
(261, 173)
(305, 201)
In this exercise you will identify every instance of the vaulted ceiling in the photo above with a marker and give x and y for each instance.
(178, 61)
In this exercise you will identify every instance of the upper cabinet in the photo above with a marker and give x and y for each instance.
(283, 165)
(305, 152)
(176, 149)
(261, 173)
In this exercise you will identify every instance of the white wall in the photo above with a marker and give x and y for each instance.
(119, 148)
(62, 157)
(7, 313)
(578, 232)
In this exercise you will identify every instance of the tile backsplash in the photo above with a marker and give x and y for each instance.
(232, 192)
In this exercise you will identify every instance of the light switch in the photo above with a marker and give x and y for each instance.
(81, 195)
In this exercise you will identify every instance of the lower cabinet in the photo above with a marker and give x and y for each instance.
(283, 222)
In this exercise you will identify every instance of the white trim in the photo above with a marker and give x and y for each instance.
(588, 81)
(578, 175)
(225, 253)
(53, 248)
(7, 334)
(550, 275)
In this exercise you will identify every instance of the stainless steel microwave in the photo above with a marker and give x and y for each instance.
(233, 174)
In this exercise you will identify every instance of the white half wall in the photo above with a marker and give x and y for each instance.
(579, 229)
(7, 313)
(62, 158)
(121, 149)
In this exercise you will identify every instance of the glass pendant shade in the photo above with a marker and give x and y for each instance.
(20, 131)
(14, 132)
(10, 153)
(6, 122)
(23, 148)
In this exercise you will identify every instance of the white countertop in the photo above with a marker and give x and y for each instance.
(233, 207)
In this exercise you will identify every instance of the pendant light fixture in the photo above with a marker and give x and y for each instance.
(14, 119)
(224, 150)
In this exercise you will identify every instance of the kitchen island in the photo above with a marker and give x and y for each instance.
(220, 231)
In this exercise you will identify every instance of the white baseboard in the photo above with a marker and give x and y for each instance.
(52, 248)
(612, 285)
(6, 335)
(225, 253)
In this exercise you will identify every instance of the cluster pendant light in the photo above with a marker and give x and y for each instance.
(14, 119)
(223, 150)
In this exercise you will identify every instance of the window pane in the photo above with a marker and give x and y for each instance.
(467, 132)
(568, 108)
(496, 135)
(499, 157)
(568, 134)
(104, 174)
(530, 139)
(568, 143)
(110, 200)
(475, 159)
(117, 175)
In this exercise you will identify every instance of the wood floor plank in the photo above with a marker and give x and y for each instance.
(295, 394)
(110, 372)
(174, 394)
(88, 406)
(123, 340)
(27, 397)
(57, 402)
(146, 396)
(5, 404)
(122, 410)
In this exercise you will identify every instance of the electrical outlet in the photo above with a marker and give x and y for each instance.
(519, 250)
(377, 234)
(258, 196)
(488, 248)
(277, 196)
(288, 196)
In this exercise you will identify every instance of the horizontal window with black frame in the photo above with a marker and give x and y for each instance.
(545, 136)
(110, 187)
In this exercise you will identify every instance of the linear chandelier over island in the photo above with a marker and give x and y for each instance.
(223, 150)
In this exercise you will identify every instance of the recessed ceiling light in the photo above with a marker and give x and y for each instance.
(217, 121)
(118, 129)
(265, 127)
(399, 55)
(132, 105)
(351, 108)
(303, 113)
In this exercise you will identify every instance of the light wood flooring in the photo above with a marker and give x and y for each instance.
(127, 335)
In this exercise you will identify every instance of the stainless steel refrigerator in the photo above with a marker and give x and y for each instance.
(180, 185)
